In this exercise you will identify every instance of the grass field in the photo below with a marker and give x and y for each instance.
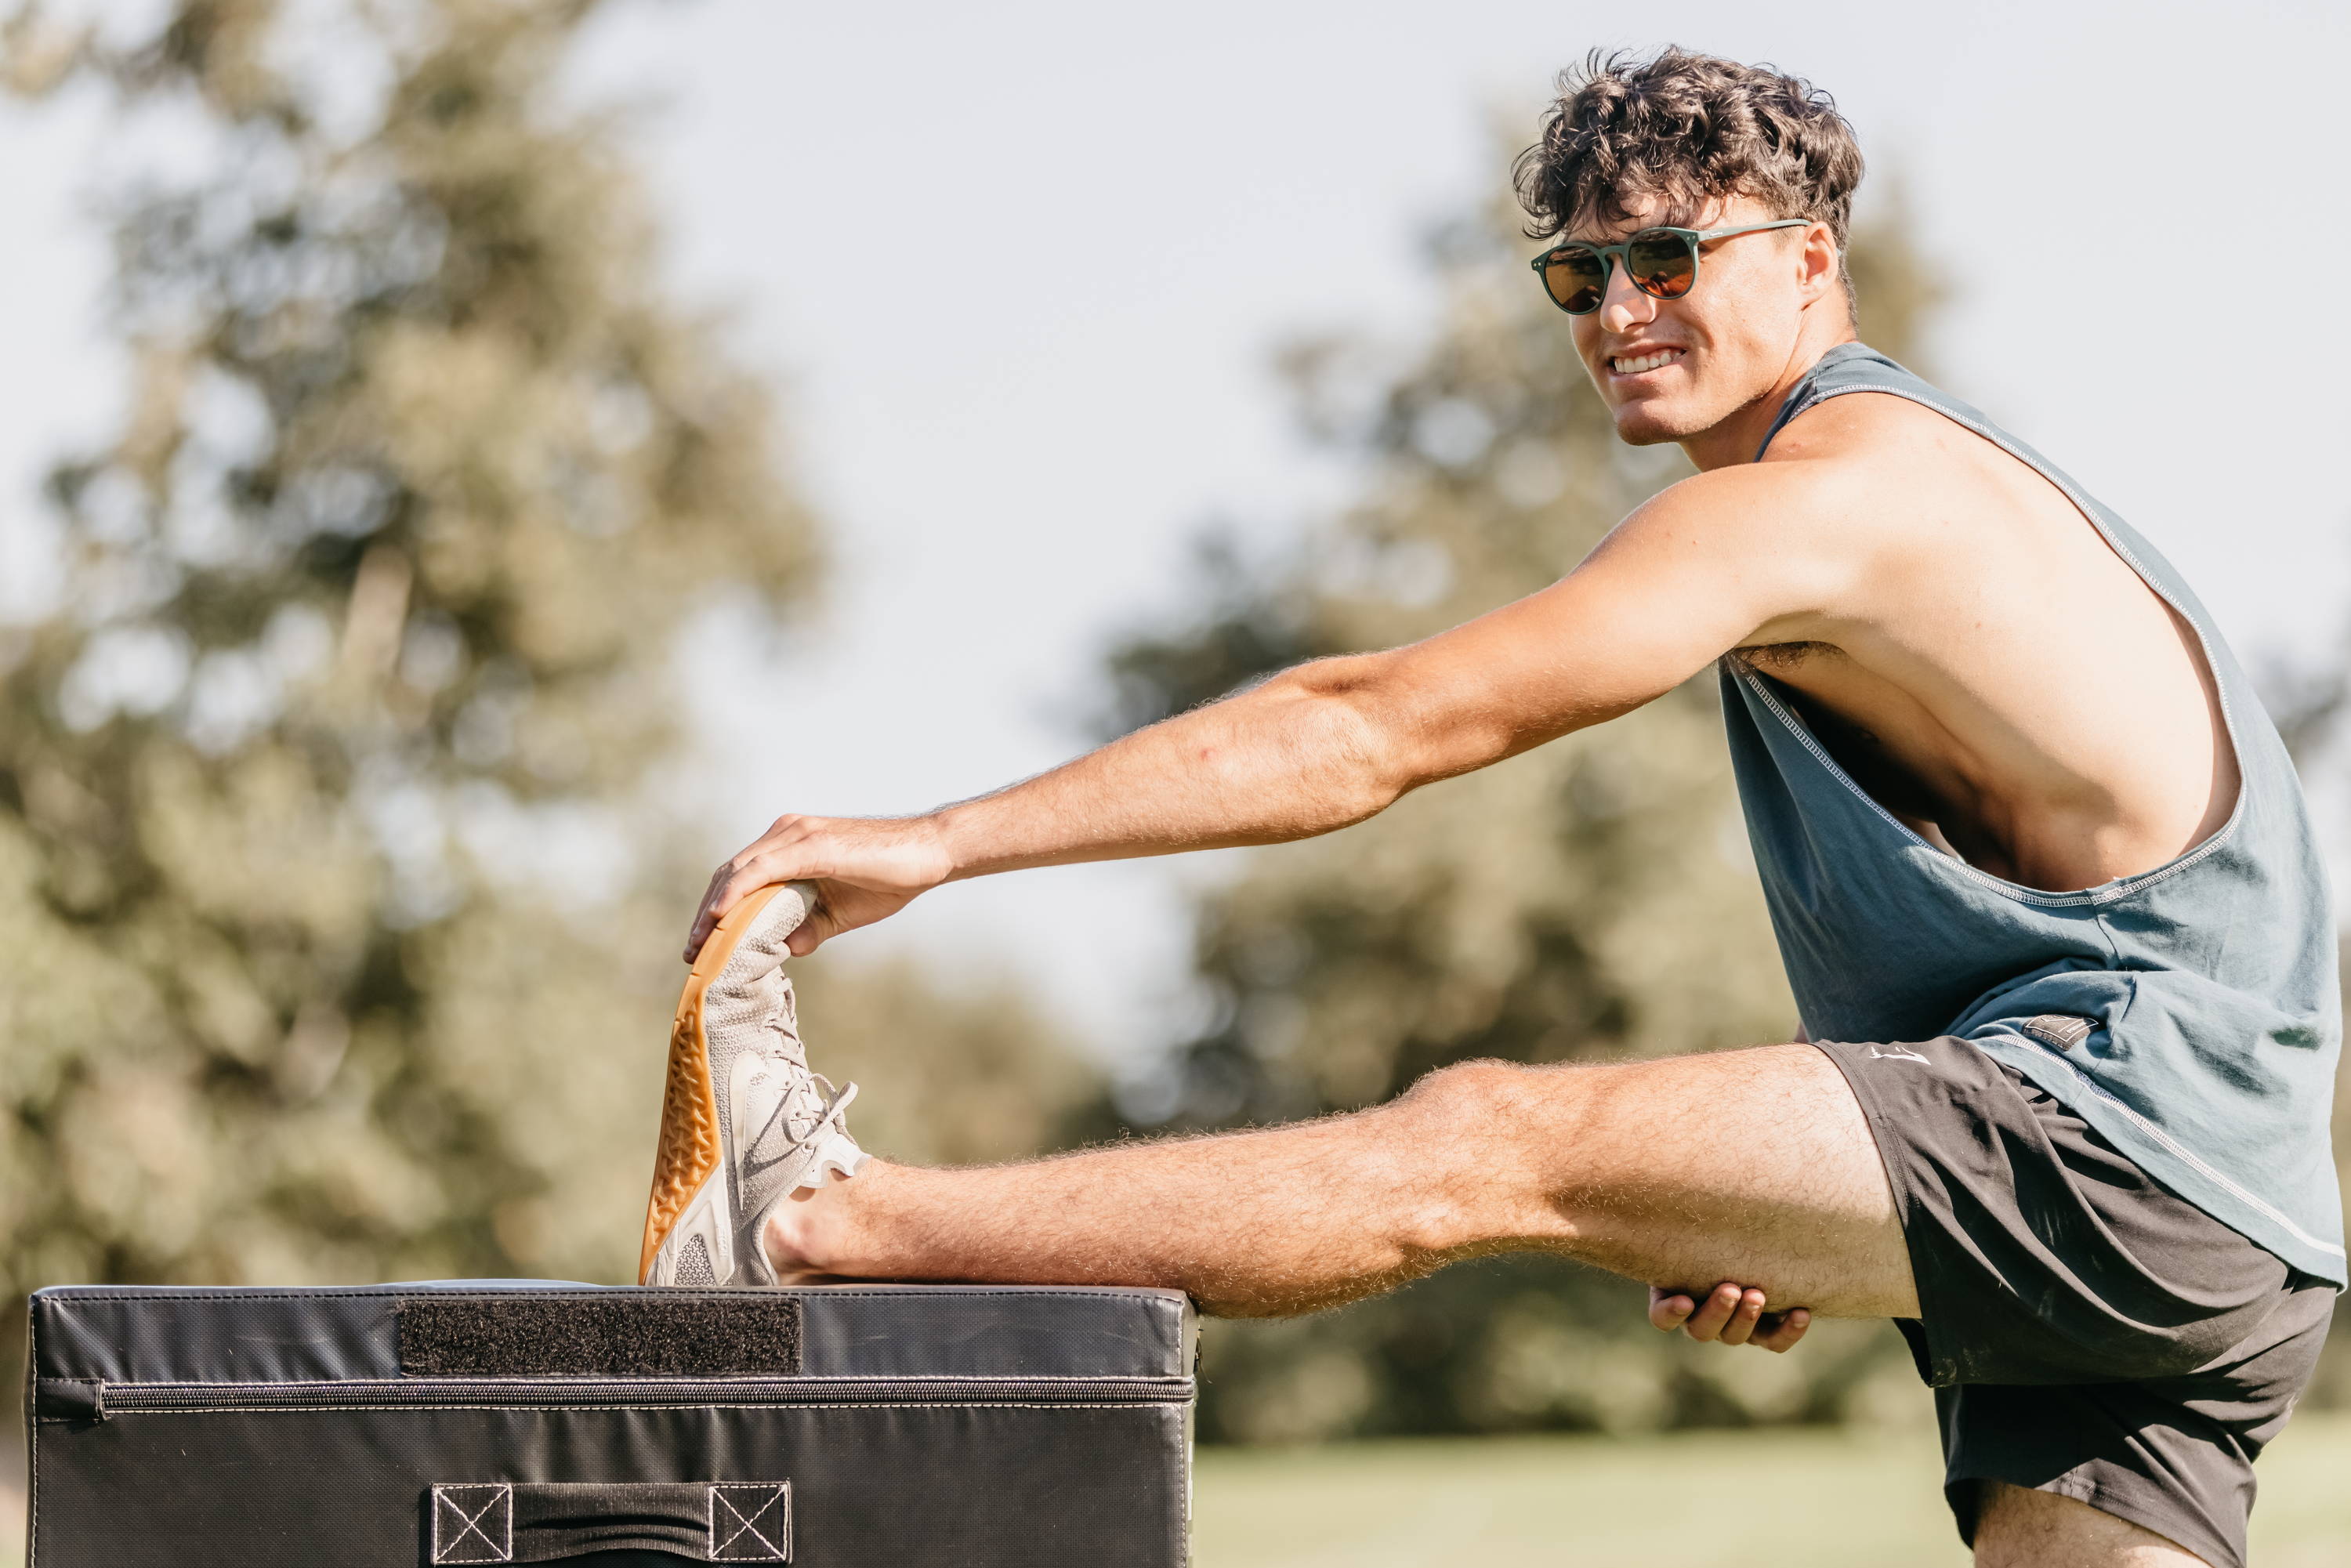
(1762, 1500)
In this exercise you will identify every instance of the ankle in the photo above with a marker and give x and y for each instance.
(806, 1236)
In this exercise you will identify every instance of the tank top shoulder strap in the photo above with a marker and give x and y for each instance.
(1857, 368)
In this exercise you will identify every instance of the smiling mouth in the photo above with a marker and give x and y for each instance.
(1633, 367)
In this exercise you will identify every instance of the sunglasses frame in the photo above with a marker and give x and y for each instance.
(1619, 254)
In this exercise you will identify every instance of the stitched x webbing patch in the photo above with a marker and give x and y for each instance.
(751, 1522)
(473, 1523)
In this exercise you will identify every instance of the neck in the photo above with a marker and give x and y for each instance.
(1734, 440)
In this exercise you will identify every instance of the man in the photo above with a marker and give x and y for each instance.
(2039, 867)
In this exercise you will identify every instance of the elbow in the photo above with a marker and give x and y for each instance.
(1345, 718)
(1395, 728)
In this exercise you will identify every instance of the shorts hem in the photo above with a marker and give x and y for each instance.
(1926, 1353)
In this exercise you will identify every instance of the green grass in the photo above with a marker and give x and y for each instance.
(1762, 1500)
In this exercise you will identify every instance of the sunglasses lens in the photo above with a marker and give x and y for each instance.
(1662, 266)
(1577, 276)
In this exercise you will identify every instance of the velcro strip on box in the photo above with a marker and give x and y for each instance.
(530, 1335)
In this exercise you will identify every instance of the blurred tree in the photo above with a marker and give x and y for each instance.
(1590, 901)
(2309, 698)
(341, 872)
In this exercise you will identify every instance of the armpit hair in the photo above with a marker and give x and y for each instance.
(1771, 656)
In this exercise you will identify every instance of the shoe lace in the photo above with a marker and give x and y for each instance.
(829, 1119)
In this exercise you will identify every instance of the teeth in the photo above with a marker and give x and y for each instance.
(1646, 363)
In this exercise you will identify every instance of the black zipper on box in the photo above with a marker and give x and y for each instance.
(450, 1393)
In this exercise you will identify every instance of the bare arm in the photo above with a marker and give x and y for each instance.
(1330, 743)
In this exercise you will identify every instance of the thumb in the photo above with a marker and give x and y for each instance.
(812, 932)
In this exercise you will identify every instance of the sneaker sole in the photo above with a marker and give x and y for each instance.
(692, 1153)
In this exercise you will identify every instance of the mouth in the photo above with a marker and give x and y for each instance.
(1642, 364)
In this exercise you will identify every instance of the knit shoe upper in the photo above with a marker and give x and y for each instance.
(743, 1121)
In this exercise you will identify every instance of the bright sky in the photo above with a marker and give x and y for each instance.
(1018, 266)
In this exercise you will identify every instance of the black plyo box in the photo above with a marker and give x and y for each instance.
(834, 1426)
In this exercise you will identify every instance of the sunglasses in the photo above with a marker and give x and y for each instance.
(1661, 262)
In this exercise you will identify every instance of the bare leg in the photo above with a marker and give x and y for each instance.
(1755, 1165)
(2016, 1528)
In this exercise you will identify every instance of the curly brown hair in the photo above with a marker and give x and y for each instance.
(1686, 128)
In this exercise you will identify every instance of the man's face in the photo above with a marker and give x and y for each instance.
(1672, 368)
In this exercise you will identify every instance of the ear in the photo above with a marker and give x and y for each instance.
(1818, 266)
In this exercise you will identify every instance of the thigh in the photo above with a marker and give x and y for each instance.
(1756, 1165)
(2019, 1529)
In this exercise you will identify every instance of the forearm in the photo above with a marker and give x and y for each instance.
(1311, 750)
(1316, 747)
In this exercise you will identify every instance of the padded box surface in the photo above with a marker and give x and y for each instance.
(841, 1426)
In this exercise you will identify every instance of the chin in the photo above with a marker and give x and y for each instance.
(1646, 425)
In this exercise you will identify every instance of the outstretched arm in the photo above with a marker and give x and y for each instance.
(1330, 743)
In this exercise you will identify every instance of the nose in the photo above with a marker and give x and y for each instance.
(1624, 306)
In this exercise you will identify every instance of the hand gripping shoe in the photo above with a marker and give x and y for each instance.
(743, 1121)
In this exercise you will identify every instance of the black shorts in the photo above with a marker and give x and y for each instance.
(2086, 1331)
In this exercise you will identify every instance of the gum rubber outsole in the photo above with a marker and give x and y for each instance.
(689, 1152)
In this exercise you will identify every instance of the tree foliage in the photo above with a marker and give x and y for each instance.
(340, 864)
(1590, 901)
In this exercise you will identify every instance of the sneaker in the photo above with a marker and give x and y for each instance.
(743, 1121)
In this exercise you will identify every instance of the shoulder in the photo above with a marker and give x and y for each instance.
(1851, 473)
(1759, 505)
(1797, 538)
(1868, 428)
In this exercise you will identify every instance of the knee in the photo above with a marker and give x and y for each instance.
(1473, 1140)
(1468, 1099)
(1501, 1105)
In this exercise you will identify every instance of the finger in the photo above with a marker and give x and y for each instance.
(705, 921)
(732, 883)
(1714, 1310)
(756, 869)
(1707, 1323)
(1783, 1336)
(715, 901)
(1741, 1326)
(1669, 1310)
(698, 931)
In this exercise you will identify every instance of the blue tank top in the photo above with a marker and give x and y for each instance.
(2190, 1013)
